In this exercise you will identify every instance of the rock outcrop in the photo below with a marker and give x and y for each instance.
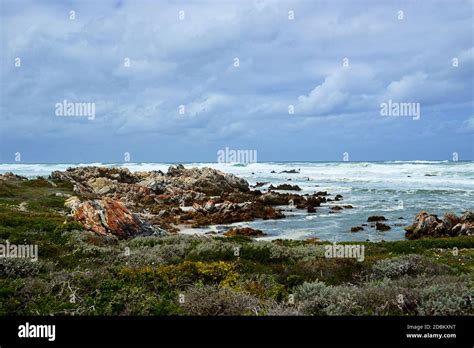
(189, 196)
(429, 225)
(109, 217)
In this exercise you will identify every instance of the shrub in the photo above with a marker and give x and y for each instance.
(212, 301)
(446, 299)
(213, 250)
(407, 265)
(18, 267)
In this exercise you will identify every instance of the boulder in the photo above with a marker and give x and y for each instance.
(429, 225)
(245, 231)
(108, 216)
(9, 176)
(379, 226)
(375, 218)
(285, 187)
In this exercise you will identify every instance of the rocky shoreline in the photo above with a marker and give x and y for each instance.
(115, 201)
(108, 244)
(146, 203)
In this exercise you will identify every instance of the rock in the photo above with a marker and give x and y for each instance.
(382, 227)
(107, 216)
(23, 206)
(206, 180)
(72, 203)
(311, 209)
(356, 229)
(62, 194)
(336, 208)
(338, 197)
(462, 229)
(376, 218)
(285, 187)
(194, 196)
(245, 231)
(83, 174)
(102, 185)
(292, 171)
(260, 184)
(210, 206)
(468, 216)
(9, 176)
(315, 201)
(348, 206)
(429, 225)
(321, 193)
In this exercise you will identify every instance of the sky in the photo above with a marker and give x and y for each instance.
(177, 81)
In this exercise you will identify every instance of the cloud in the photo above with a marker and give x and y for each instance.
(190, 62)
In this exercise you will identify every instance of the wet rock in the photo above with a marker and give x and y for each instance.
(347, 206)
(379, 226)
(321, 193)
(375, 218)
(315, 201)
(336, 208)
(245, 231)
(338, 197)
(311, 209)
(285, 187)
(357, 229)
(291, 171)
(260, 184)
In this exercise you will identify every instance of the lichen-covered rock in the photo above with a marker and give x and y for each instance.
(107, 216)
(429, 225)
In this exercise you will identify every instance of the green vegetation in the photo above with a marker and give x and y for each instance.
(79, 272)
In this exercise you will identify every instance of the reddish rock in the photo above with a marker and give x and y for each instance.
(107, 216)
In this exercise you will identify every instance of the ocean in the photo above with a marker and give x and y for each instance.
(397, 190)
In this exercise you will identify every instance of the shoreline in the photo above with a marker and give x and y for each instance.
(100, 240)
